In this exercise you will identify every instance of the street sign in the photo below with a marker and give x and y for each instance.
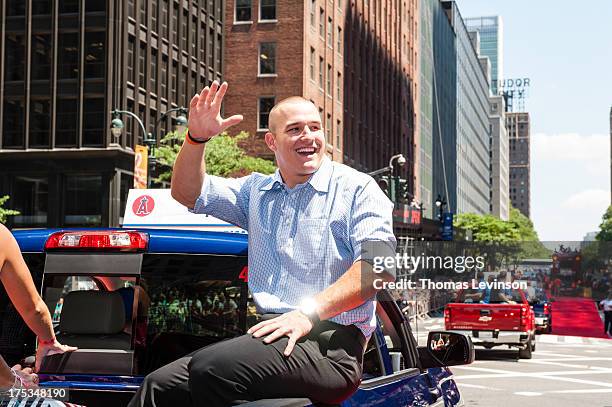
(406, 214)
(140, 167)
(447, 226)
(156, 209)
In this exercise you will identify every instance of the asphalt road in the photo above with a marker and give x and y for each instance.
(565, 371)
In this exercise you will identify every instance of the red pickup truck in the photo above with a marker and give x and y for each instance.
(493, 317)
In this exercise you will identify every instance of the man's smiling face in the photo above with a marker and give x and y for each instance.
(297, 139)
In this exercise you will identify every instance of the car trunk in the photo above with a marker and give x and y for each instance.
(503, 317)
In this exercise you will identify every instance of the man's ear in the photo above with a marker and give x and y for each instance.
(270, 141)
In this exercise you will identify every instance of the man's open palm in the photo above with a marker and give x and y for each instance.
(205, 119)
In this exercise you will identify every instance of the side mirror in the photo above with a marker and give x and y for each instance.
(446, 349)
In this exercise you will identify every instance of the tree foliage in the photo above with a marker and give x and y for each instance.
(508, 240)
(605, 229)
(224, 157)
(5, 213)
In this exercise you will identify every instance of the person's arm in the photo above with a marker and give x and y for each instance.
(205, 122)
(371, 221)
(18, 283)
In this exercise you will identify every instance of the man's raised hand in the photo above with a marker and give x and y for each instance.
(205, 119)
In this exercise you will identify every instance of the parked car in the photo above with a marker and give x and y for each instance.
(134, 300)
(493, 318)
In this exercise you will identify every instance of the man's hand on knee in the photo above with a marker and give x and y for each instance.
(293, 324)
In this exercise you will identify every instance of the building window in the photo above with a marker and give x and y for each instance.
(183, 84)
(83, 197)
(93, 122)
(243, 10)
(267, 10)
(312, 63)
(15, 57)
(173, 81)
(41, 7)
(15, 8)
(141, 65)
(328, 128)
(143, 12)
(131, 62)
(218, 52)
(68, 56)
(66, 123)
(339, 87)
(330, 32)
(313, 16)
(184, 29)
(266, 104)
(154, 11)
(339, 41)
(267, 58)
(329, 80)
(338, 133)
(30, 197)
(68, 6)
(164, 77)
(174, 28)
(94, 54)
(321, 72)
(210, 47)
(164, 19)
(322, 23)
(40, 123)
(131, 11)
(41, 56)
(153, 70)
(13, 123)
(194, 37)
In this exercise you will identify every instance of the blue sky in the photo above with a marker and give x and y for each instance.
(565, 47)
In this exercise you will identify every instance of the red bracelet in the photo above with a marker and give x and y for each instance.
(49, 342)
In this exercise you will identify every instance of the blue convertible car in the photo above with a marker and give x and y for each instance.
(134, 300)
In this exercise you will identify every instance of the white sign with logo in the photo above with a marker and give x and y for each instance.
(155, 208)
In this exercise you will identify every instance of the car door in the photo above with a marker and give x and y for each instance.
(391, 374)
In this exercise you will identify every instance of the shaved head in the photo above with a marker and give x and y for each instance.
(276, 112)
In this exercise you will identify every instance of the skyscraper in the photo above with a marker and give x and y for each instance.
(473, 161)
(500, 177)
(66, 65)
(490, 29)
(518, 127)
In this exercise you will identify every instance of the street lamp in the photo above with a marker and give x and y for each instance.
(148, 138)
(401, 161)
(441, 204)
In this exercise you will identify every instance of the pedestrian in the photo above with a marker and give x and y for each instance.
(606, 305)
(19, 286)
(307, 224)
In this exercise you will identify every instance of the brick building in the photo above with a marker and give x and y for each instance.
(518, 127)
(356, 60)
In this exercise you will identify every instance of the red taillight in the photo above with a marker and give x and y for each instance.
(112, 239)
(547, 308)
(446, 317)
(525, 315)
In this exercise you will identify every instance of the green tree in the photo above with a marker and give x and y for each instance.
(224, 157)
(4, 213)
(605, 229)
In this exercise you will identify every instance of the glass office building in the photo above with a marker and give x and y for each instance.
(490, 29)
(65, 66)
(472, 108)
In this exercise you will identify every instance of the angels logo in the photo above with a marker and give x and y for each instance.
(143, 205)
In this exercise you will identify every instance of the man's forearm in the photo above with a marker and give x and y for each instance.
(188, 174)
(351, 290)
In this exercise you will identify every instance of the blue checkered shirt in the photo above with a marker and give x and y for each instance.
(301, 240)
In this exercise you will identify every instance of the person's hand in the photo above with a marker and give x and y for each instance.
(28, 378)
(205, 120)
(293, 324)
(50, 349)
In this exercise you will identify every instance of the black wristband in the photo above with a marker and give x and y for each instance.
(197, 140)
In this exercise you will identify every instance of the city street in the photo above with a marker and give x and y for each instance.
(565, 371)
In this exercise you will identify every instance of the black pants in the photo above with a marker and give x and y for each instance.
(325, 366)
(608, 322)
